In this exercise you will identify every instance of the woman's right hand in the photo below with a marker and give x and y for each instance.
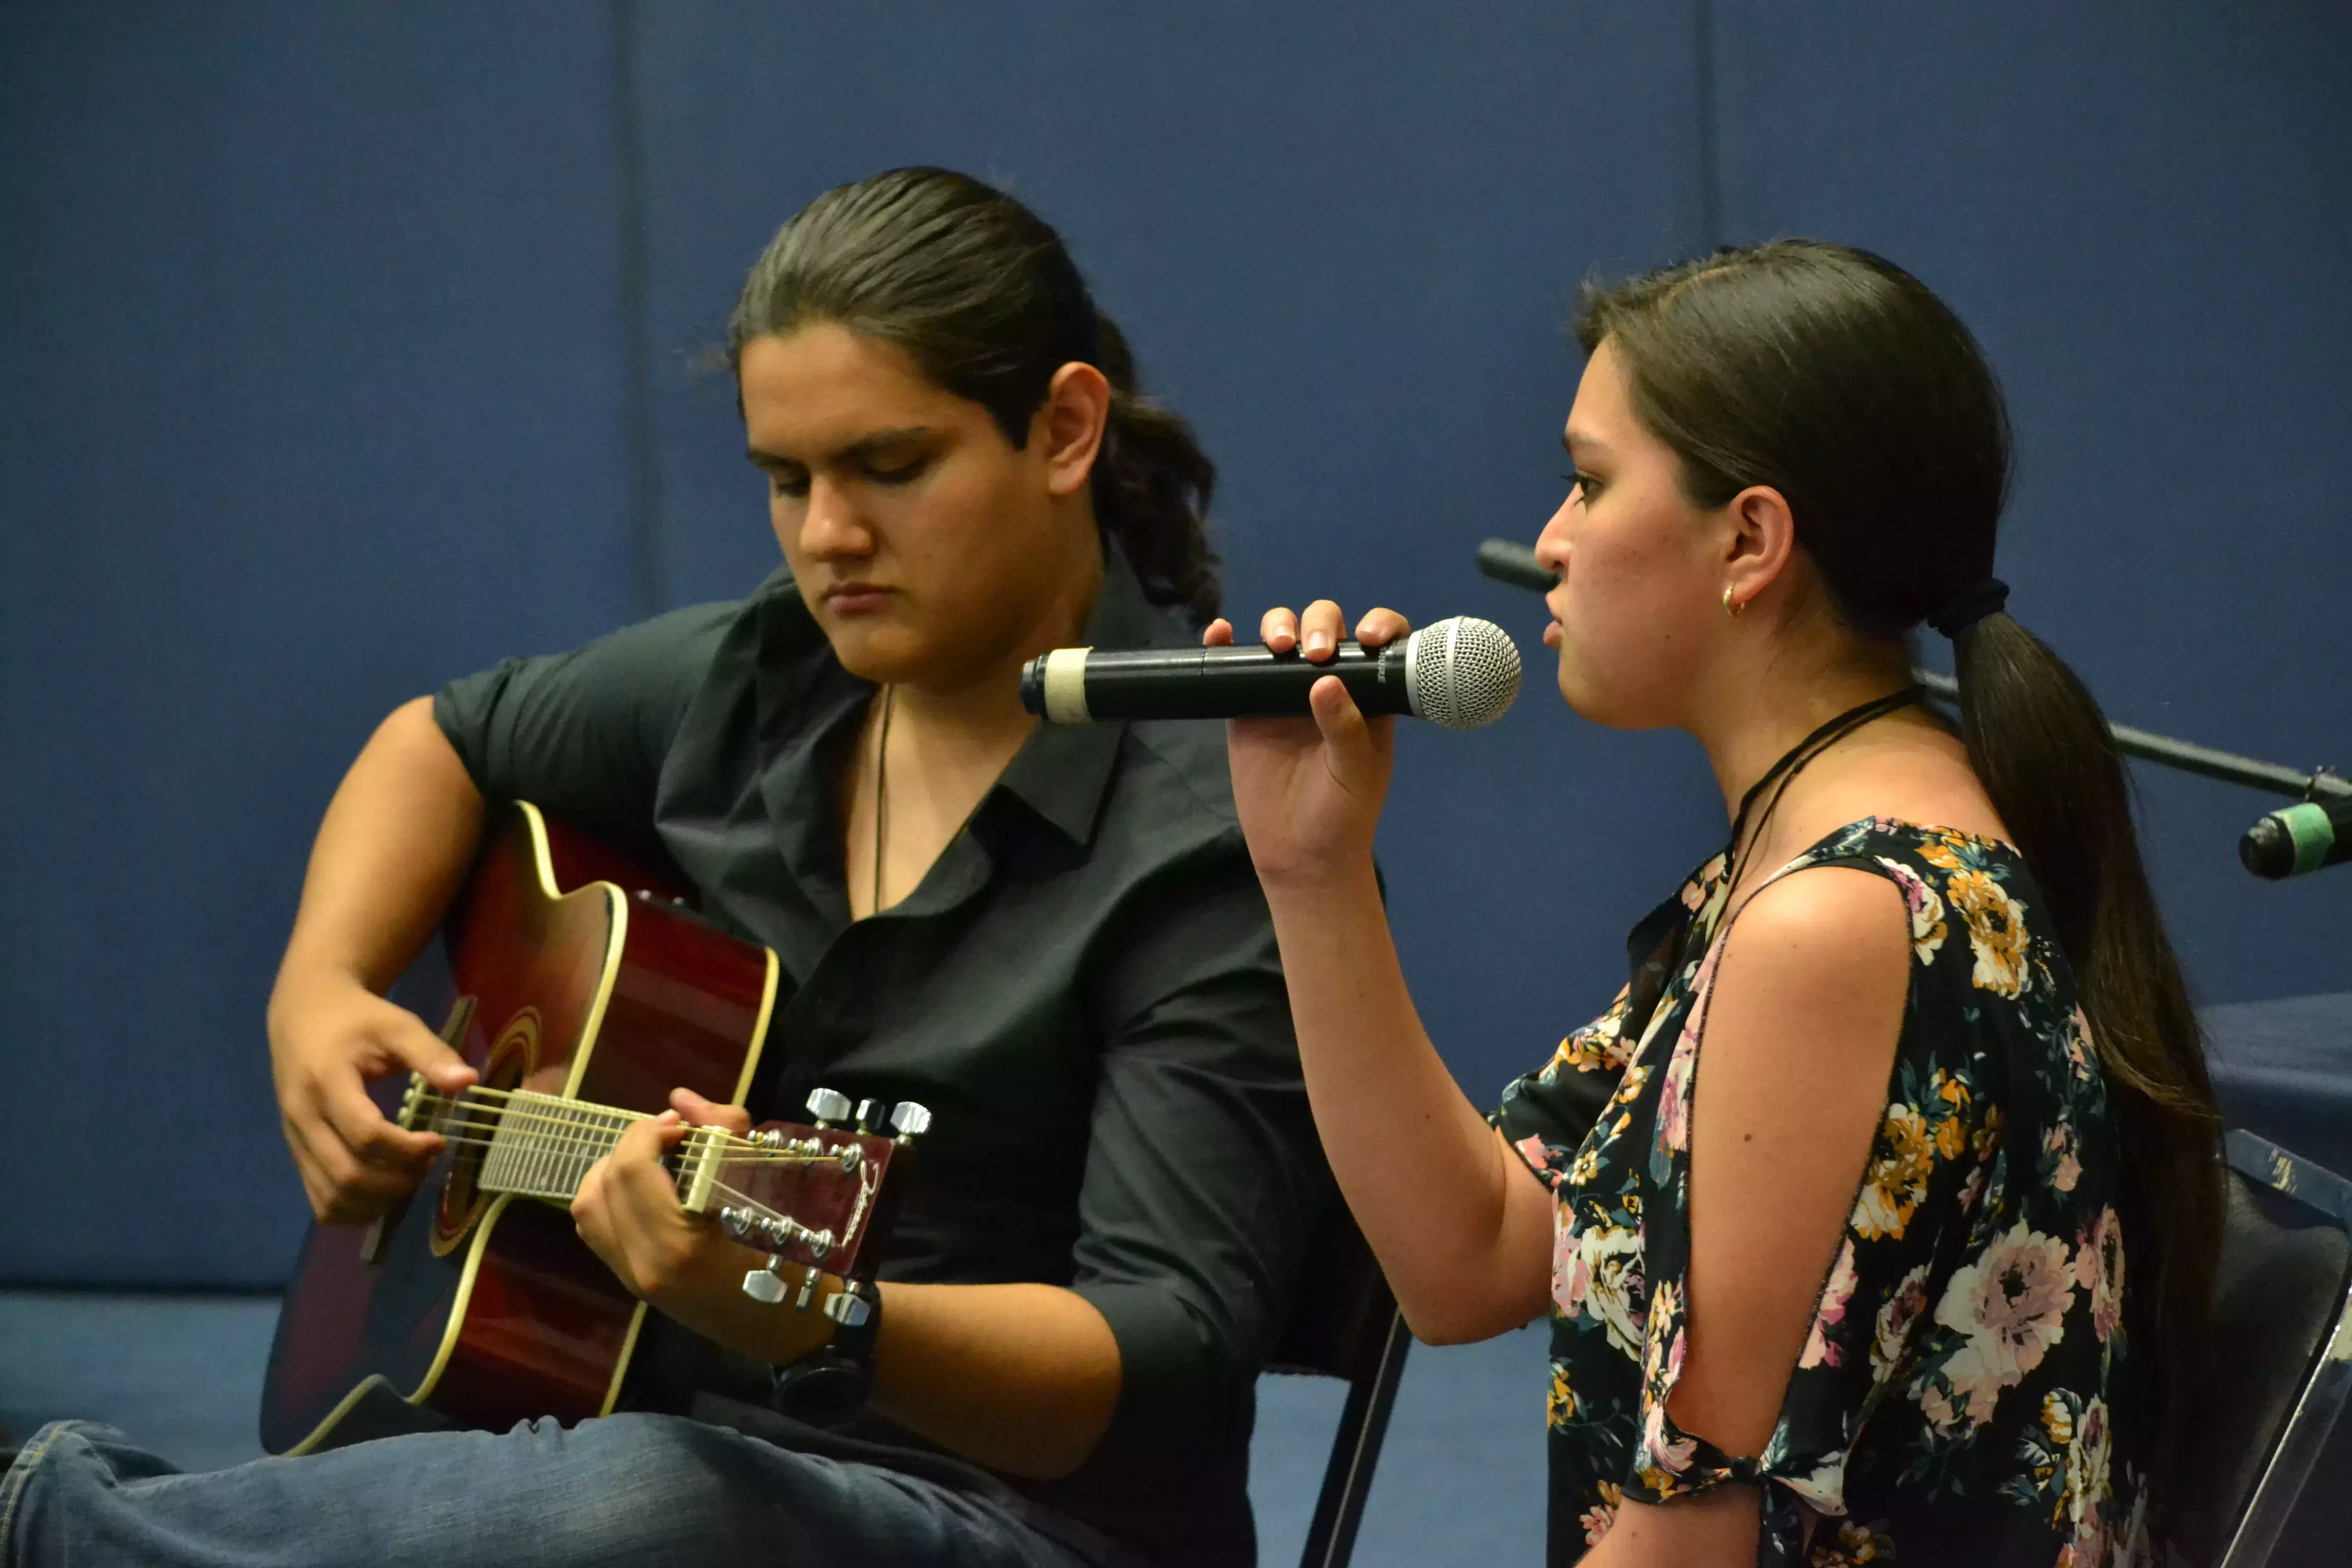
(1309, 791)
(329, 1037)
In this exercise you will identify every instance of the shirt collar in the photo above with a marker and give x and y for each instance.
(1063, 770)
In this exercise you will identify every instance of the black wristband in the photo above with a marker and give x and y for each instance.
(831, 1382)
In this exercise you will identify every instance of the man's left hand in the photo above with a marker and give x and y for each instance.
(683, 1264)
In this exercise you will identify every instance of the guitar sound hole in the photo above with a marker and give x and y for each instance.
(471, 1125)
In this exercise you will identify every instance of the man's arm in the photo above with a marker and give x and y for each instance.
(583, 735)
(1022, 1378)
(397, 841)
(1201, 1184)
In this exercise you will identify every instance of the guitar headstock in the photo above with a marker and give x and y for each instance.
(804, 1193)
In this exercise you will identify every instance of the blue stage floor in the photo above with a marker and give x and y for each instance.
(1462, 1478)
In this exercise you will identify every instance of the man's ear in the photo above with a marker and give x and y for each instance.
(1759, 541)
(1068, 427)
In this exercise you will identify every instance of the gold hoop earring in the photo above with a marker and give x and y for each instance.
(1730, 607)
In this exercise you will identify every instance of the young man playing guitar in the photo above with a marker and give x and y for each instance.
(1052, 937)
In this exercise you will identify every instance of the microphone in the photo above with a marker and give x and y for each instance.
(2298, 839)
(1460, 674)
(1506, 560)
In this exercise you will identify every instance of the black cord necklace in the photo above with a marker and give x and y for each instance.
(1655, 946)
(1792, 762)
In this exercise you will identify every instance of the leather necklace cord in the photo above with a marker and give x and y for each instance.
(1793, 762)
(881, 799)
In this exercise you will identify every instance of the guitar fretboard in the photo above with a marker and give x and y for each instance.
(545, 1143)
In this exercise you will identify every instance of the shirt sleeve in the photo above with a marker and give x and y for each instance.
(1202, 1177)
(1545, 1115)
(584, 734)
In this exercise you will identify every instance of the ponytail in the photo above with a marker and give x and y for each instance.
(2041, 747)
(1151, 488)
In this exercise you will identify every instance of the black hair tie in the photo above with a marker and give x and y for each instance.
(1966, 608)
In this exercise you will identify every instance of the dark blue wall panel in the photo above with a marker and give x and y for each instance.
(344, 347)
(312, 396)
(2143, 214)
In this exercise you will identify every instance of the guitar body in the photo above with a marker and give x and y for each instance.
(565, 970)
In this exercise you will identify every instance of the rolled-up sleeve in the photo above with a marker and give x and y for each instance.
(1203, 1175)
(584, 734)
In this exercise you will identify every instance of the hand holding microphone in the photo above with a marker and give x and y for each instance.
(1309, 790)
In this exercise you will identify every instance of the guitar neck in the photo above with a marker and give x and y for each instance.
(543, 1144)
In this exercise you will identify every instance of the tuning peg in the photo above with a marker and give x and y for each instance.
(765, 1286)
(828, 1105)
(909, 1119)
(848, 1309)
(866, 1110)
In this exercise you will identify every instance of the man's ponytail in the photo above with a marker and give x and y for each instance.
(1153, 485)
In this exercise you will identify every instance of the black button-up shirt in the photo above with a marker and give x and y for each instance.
(1084, 990)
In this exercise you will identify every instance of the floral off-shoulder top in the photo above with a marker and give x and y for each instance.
(1968, 1393)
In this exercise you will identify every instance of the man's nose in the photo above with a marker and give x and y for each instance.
(830, 523)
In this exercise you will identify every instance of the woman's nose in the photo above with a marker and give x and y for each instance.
(1551, 544)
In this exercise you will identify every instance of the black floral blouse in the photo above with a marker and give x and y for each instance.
(1967, 1395)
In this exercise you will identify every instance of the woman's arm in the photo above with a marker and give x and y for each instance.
(1460, 1227)
(1797, 1045)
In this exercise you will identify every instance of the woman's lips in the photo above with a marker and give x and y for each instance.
(1551, 633)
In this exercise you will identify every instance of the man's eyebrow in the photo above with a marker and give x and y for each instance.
(865, 446)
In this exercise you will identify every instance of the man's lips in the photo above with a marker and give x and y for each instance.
(850, 598)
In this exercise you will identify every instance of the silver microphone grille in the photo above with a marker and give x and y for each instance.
(1461, 672)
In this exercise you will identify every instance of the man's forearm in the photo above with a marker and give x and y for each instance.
(1020, 1378)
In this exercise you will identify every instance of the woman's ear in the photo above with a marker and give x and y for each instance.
(1068, 428)
(1760, 542)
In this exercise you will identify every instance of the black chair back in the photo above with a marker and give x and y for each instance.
(1345, 1325)
(2280, 1372)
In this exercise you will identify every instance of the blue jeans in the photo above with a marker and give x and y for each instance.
(633, 1489)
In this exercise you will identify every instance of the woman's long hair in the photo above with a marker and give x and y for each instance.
(1840, 380)
(981, 295)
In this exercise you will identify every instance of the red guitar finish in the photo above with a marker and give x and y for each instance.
(461, 1309)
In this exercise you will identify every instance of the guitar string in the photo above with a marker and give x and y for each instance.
(542, 1141)
(536, 1141)
(758, 1208)
(570, 1125)
(579, 1112)
(486, 1136)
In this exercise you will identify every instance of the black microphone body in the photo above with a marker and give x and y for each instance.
(1249, 682)
(1458, 673)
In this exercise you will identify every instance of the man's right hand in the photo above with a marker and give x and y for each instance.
(329, 1037)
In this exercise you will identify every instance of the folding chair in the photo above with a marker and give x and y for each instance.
(2283, 1323)
(1345, 1325)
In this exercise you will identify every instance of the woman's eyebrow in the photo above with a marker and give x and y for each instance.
(1574, 442)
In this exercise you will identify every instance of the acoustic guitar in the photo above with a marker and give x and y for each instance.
(581, 989)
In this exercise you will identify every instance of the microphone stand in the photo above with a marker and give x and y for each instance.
(2320, 783)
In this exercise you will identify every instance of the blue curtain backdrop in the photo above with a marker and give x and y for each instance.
(347, 348)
